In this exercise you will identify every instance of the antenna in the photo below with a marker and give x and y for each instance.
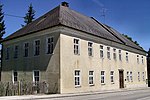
(103, 13)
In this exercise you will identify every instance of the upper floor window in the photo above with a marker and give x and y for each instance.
(50, 45)
(90, 49)
(36, 76)
(114, 54)
(37, 47)
(15, 76)
(108, 52)
(7, 53)
(137, 58)
(77, 78)
(112, 76)
(142, 60)
(101, 51)
(16, 49)
(102, 77)
(76, 46)
(120, 55)
(127, 59)
(26, 49)
(91, 77)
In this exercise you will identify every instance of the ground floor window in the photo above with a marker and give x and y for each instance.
(91, 77)
(77, 78)
(36, 76)
(102, 77)
(112, 76)
(138, 76)
(15, 76)
(143, 75)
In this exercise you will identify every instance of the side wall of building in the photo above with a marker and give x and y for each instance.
(46, 64)
(85, 63)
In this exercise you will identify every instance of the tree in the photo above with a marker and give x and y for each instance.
(29, 17)
(131, 39)
(148, 66)
(2, 24)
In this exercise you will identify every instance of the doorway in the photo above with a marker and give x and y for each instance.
(121, 79)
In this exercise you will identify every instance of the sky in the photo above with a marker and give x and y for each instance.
(130, 17)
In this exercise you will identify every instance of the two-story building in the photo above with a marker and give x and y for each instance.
(72, 53)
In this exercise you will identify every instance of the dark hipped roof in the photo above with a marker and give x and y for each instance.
(65, 16)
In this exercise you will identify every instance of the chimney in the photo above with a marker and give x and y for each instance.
(65, 4)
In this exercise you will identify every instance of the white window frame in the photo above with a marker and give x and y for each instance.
(127, 57)
(13, 76)
(114, 54)
(50, 45)
(128, 78)
(26, 49)
(131, 77)
(91, 77)
(143, 76)
(36, 76)
(112, 76)
(76, 46)
(138, 76)
(142, 59)
(108, 53)
(138, 59)
(90, 48)
(101, 51)
(38, 46)
(120, 56)
(78, 77)
(103, 77)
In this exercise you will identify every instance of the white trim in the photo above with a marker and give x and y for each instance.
(77, 76)
(33, 76)
(46, 46)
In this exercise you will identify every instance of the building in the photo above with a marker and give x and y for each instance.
(73, 53)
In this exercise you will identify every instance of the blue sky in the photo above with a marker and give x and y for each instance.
(131, 17)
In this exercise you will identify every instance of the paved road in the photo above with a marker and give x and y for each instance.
(127, 95)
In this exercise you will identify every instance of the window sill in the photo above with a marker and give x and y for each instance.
(91, 85)
(103, 84)
(78, 86)
(112, 83)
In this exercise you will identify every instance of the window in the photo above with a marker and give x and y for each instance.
(112, 76)
(76, 46)
(77, 78)
(16, 51)
(102, 77)
(90, 48)
(26, 49)
(7, 53)
(36, 47)
(142, 60)
(114, 54)
(91, 77)
(50, 45)
(127, 56)
(137, 58)
(128, 76)
(131, 77)
(108, 52)
(120, 55)
(36, 76)
(15, 76)
(101, 51)
(138, 76)
(143, 76)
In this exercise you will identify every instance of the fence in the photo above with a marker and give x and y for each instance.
(22, 88)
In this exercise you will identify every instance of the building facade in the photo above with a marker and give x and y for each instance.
(73, 53)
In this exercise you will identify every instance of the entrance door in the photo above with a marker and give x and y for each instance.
(121, 79)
